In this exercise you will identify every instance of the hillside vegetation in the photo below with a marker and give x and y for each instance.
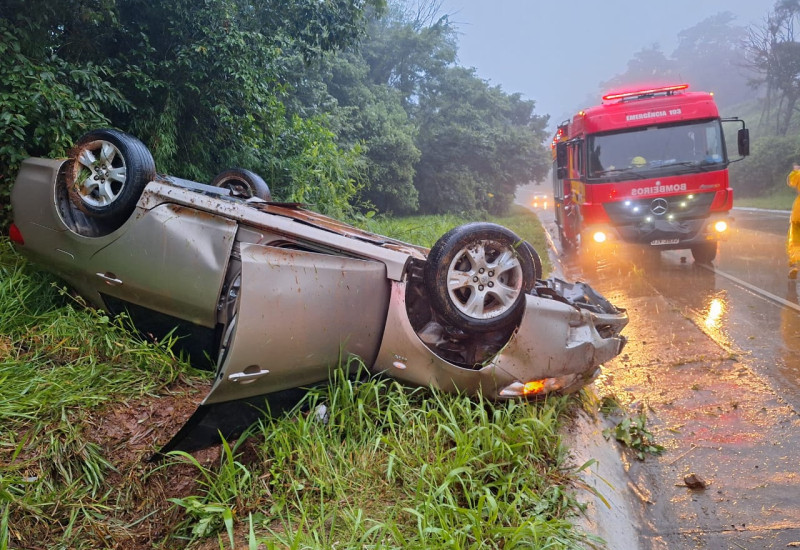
(345, 106)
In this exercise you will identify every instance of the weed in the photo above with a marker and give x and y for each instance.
(223, 490)
(610, 405)
(393, 467)
(60, 365)
(633, 433)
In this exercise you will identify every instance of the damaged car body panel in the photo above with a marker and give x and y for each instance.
(556, 343)
(272, 296)
(288, 329)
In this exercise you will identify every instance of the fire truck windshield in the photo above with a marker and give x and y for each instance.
(659, 150)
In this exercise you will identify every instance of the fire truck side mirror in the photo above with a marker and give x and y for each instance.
(561, 173)
(743, 140)
(561, 156)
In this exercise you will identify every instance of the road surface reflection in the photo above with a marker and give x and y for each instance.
(744, 302)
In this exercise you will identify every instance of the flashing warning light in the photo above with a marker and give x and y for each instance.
(720, 226)
(648, 91)
(599, 237)
(533, 387)
(15, 234)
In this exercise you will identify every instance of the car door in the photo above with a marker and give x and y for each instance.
(172, 260)
(299, 314)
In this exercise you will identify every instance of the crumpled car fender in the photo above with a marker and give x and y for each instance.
(554, 340)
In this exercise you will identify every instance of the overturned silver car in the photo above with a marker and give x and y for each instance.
(272, 296)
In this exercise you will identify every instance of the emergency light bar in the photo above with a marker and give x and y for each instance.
(650, 91)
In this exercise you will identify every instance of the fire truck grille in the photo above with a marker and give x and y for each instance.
(673, 208)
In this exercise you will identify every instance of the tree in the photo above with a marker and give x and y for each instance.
(774, 54)
(200, 82)
(478, 144)
(371, 116)
(709, 57)
(649, 66)
(46, 99)
(408, 48)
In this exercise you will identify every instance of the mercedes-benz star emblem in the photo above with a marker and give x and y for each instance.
(659, 206)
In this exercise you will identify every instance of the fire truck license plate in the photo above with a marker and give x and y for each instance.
(658, 242)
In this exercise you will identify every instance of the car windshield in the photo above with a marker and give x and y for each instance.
(675, 148)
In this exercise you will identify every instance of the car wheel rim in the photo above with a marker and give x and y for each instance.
(101, 173)
(484, 280)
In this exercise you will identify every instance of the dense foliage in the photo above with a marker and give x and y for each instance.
(772, 53)
(332, 102)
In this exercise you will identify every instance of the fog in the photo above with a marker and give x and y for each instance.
(558, 53)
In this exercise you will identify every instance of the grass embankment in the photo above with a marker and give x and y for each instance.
(782, 199)
(83, 403)
(424, 230)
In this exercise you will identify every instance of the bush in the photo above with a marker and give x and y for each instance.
(44, 105)
(765, 170)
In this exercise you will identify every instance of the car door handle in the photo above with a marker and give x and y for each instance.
(109, 278)
(242, 377)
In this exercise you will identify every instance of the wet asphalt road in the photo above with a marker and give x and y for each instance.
(714, 361)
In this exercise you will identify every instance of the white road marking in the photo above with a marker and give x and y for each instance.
(756, 290)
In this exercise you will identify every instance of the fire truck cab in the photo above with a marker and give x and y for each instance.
(647, 166)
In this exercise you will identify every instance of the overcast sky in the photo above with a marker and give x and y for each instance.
(558, 52)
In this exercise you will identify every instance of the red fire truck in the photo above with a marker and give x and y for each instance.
(647, 166)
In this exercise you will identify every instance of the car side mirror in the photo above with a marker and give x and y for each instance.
(743, 140)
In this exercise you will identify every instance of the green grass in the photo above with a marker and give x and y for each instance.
(62, 367)
(424, 230)
(782, 199)
(392, 467)
(84, 402)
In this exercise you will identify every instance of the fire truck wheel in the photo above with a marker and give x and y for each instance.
(477, 276)
(567, 245)
(704, 253)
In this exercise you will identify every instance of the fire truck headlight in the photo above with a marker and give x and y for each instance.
(721, 226)
(599, 237)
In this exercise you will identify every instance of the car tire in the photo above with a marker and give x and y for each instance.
(477, 276)
(704, 253)
(243, 184)
(106, 174)
(535, 258)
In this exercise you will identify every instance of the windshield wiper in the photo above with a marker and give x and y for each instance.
(626, 172)
(699, 165)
